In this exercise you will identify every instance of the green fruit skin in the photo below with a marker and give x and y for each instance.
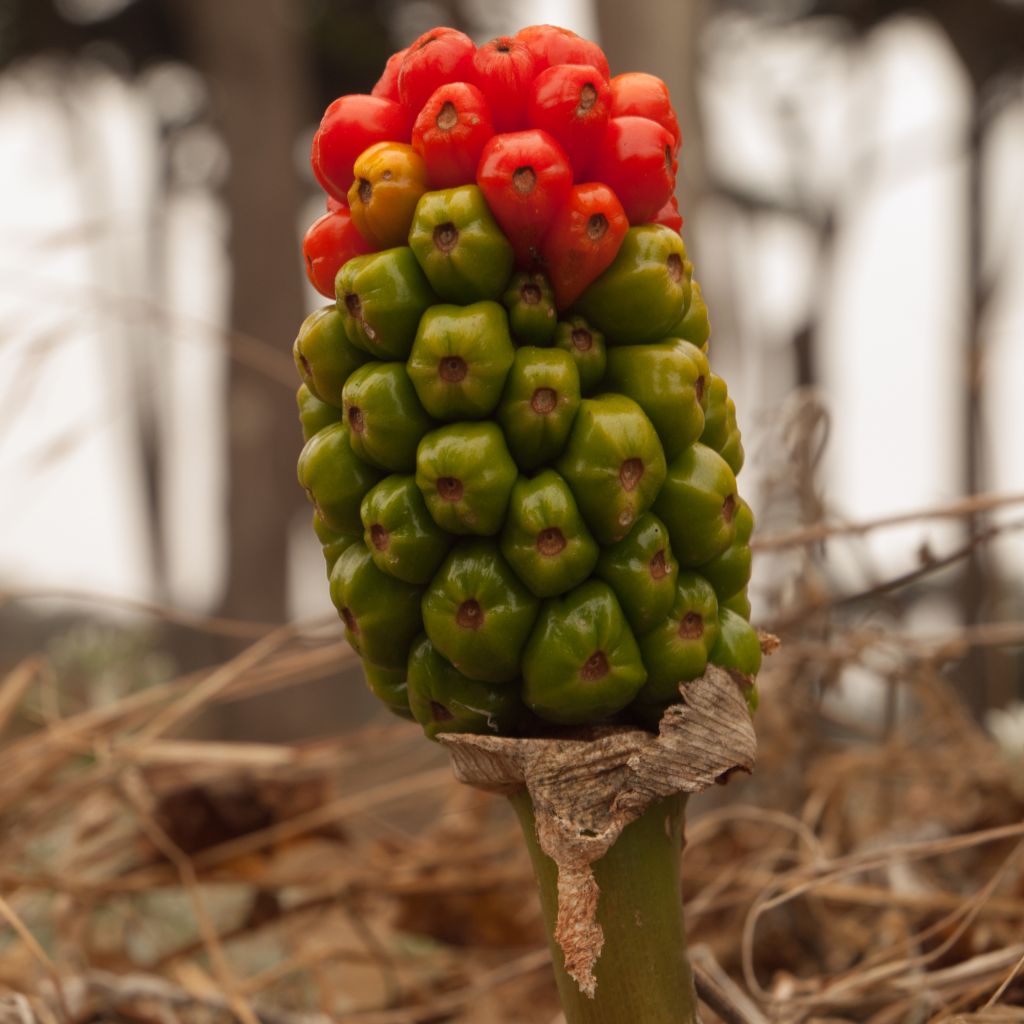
(667, 381)
(324, 356)
(381, 614)
(478, 336)
(478, 614)
(335, 479)
(738, 603)
(694, 327)
(314, 415)
(697, 505)
(381, 298)
(442, 699)
(333, 544)
(402, 539)
(586, 346)
(581, 663)
(738, 646)
(539, 404)
(677, 650)
(532, 315)
(643, 572)
(644, 292)
(542, 514)
(385, 419)
(729, 572)
(721, 431)
(475, 456)
(614, 464)
(388, 685)
(459, 245)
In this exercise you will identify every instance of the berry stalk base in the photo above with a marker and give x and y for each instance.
(643, 973)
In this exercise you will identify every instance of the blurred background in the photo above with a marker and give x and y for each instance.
(851, 187)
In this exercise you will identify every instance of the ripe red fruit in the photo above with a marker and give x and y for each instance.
(552, 45)
(335, 204)
(525, 177)
(670, 216)
(331, 241)
(349, 125)
(637, 159)
(637, 94)
(572, 102)
(439, 56)
(450, 134)
(583, 240)
(386, 87)
(504, 69)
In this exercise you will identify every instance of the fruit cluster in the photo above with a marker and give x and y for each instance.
(521, 465)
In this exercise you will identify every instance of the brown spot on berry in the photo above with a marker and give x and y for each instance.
(675, 267)
(630, 473)
(658, 565)
(691, 626)
(452, 369)
(439, 712)
(447, 117)
(597, 225)
(729, 508)
(449, 488)
(379, 537)
(385, 175)
(595, 667)
(698, 388)
(524, 180)
(354, 306)
(365, 191)
(446, 237)
(551, 541)
(588, 97)
(503, 44)
(668, 159)
(530, 294)
(470, 615)
(350, 620)
(544, 401)
(582, 339)
(307, 370)
(355, 419)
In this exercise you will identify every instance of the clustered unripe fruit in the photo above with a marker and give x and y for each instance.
(522, 467)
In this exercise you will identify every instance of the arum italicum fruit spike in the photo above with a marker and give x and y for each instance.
(522, 465)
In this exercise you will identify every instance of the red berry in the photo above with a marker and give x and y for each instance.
(637, 159)
(636, 94)
(335, 204)
(331, 241)
(349, 125)
(670, 216)
(505, 68)
(525, 177)
(439, 56)
(386, 86)
(572, 103)
(583, 240)
(552, 45)
(450, 134)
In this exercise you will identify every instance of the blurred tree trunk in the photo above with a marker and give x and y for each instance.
(251, 54)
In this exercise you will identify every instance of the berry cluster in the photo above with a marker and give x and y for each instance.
(522, 467)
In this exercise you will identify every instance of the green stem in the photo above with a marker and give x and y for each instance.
(643, 973)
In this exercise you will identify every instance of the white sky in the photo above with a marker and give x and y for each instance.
(72, 264)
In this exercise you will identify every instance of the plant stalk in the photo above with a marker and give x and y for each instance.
(643, 974)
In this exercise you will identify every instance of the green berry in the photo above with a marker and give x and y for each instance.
(478, 613)
(582, 663)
